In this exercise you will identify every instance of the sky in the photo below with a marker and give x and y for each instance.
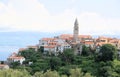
(95, 17)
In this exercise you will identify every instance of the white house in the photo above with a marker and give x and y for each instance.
(15, 58)
(45, 41)
(53, 45)
(50, 49)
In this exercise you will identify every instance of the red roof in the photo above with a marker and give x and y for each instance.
(88, 42)
(22, 49)
(85, 36)
(16, 57)
(47, 39)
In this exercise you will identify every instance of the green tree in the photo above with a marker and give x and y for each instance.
(14, 73)
(85, 50)
(78, 73)
(41, 49)
(15, 64)
(107, 53)
(30, 55)
(67, 56)
(38, 74)
(54, 63)
(51, 74)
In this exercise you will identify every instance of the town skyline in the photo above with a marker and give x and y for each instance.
(94, 17)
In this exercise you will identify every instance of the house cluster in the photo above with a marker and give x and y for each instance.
(75, 41)
(64, 41)
(106, 40)
(12, 58)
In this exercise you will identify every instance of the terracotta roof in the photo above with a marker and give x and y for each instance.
(100, 44)
(22, 49)
(113, 41)
(52, 43)
(47, 39)
(16, 57)
(66, 36)
(85, 36)
(103, 37)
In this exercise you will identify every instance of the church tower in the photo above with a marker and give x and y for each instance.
(75, 31)
(77, 46)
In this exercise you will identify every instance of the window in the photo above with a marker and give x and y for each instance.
(42, 43)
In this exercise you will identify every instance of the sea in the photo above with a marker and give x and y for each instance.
(11, 41)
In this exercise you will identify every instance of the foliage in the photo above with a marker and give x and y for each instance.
(85, 50)
(55, 62)
(67, 56)
(106, 53)
(67, 64)
(15, 64)
(73, 73)
(14, 73)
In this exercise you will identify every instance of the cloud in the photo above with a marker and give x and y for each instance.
(31, 15)
(94, 23)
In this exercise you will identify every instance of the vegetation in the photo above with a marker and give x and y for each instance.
(107, 53)
(14, 73)
(90, 64)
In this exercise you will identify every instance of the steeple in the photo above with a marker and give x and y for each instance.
(75, 31)
(76, 23)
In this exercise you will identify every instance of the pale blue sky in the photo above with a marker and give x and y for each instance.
(108, 8)
(94, 16)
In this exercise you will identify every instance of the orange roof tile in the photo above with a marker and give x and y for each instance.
(88, 42)
(66, 36)
(22, 49)
(16, 57)
(52, 43)
(85, 36)
(100, 44)
(47, 39)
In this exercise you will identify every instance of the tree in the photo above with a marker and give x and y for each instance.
(51, 74)
(30, 55)
(41, 49)
(67, 56)
(38, 74)
(14, 73)
(15, 64)
(48, 73)
(55, 62)
(78, 73)
(106, 53)
(85, 50)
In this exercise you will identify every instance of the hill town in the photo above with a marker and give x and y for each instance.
(58, 44)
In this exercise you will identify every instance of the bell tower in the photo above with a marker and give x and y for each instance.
(77, 46)
(75, 31)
